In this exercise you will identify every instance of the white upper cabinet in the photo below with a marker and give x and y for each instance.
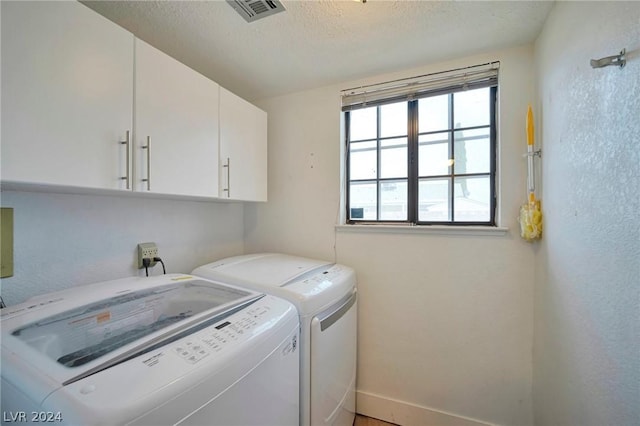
(67, 89)
(85, 104)
(243, 149)
(176, 127)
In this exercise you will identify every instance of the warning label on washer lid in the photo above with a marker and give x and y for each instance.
(104, 316)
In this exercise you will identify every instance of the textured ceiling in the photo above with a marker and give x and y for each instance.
(321, 42)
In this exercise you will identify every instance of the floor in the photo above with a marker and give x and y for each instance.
(368, 421)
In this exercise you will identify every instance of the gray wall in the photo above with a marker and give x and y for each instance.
(587, 299)
(63, 240)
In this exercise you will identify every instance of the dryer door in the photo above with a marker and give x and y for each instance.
(333, 364)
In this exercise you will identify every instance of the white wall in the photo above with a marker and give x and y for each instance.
(62, 240)
(303, 176)
(445, 321)
(587, 299)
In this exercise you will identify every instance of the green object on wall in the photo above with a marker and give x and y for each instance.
(6, 243)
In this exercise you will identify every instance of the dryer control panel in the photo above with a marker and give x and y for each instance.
(317, 292)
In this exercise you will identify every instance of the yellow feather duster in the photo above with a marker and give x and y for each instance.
(530, 212)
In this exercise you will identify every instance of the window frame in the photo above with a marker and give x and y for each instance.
(413, 178)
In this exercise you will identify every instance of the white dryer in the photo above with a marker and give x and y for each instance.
(325, 296)
(165, 350)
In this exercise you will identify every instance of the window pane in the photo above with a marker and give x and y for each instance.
(363, 161)
(449, 142)
(362, 201)
(363, 124)
(433, 154)
(471, 108)
(471, 151)
(433, 200)
(393, 120)
(433, 114)
(393, 158)
(472, 201)
(393, 200)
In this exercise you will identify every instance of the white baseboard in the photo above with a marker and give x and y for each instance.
(407, 414)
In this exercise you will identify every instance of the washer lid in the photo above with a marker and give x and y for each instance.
(266, 269)
(77, 336)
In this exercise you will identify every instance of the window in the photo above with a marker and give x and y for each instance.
(423, 157)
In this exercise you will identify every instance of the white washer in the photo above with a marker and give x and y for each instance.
(171, 349)
(326, 299)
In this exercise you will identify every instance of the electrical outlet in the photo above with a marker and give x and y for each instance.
(147, 250)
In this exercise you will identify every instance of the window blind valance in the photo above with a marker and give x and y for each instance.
(474, 77)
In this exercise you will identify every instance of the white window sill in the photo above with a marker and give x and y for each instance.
(425, 229)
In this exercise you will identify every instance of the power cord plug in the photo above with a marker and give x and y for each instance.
(146, 262)
(157, 259)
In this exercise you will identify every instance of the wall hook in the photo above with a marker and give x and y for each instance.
(619, 60)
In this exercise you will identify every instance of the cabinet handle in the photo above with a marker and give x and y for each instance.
(228, 188)
(126, 144)
(148, 148)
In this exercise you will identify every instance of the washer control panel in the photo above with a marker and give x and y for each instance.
(236, 328)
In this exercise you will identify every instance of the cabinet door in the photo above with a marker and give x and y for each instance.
(176, 126)
(243, 149)
(67, 89)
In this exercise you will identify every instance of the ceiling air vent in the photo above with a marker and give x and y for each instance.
(252, 10)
